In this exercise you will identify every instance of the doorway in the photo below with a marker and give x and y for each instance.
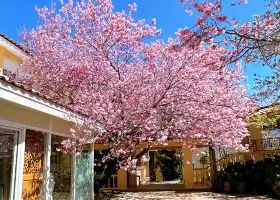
(9, 140)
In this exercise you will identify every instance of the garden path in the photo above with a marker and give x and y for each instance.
(172, 195)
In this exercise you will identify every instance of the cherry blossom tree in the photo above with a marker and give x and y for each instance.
(131, 88)
(254, 42)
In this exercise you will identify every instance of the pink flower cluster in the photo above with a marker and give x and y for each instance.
(97, 62)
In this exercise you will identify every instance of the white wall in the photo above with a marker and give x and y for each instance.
(195, 160)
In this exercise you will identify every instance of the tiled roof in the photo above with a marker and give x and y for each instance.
(12, 42)
(268, 108)
(21, 86)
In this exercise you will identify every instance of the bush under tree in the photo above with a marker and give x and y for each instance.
(169, 162)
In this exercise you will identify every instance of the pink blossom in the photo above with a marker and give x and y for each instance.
(198, 7)
(189, 11)
(158, 32)
(234, 22)
(98, 63)
(244, 1)
(132, 7)
(244, 28)
(154, 21)
(221, 18)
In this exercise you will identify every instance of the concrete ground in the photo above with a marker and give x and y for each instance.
(172, 195)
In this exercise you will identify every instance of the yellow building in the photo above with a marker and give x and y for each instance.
(31, 128)
(262, 144)
(194, 177)
(265, 132)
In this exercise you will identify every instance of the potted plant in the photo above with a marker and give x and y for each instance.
(248, 176)
(276, 186)
(227, 178)
(226, 186)
(234, 178)
(258, 178)
(270, 174)
(239, 184)
(220, 175)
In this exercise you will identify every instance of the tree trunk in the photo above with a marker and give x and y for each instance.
(213, 167)
(152, 166)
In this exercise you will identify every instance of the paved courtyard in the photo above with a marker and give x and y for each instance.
(172, 195)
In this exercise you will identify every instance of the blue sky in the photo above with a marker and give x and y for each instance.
(170, 14)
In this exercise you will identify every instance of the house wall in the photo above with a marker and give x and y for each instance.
(20, 111)
(195, 161)
(7, 55)
(17, 113)
(2, 55)
(255, 133)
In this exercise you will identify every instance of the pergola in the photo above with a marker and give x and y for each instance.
(194, 178)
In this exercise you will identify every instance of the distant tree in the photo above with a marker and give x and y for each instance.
(169, 163)
(204, 160)
(267, 120)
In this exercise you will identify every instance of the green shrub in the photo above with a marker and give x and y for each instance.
(262, 177)
(170, 164)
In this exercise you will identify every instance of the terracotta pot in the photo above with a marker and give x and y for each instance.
(277, 191)
(241, 187)
(227, 187)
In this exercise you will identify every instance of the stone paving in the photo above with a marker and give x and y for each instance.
(166, 182)
(172, 195)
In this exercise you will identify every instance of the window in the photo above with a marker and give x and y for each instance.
(10, 68)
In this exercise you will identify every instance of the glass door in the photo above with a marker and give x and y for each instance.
(8, 162)
(33, 165)
(60, 173)
(84, 167)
